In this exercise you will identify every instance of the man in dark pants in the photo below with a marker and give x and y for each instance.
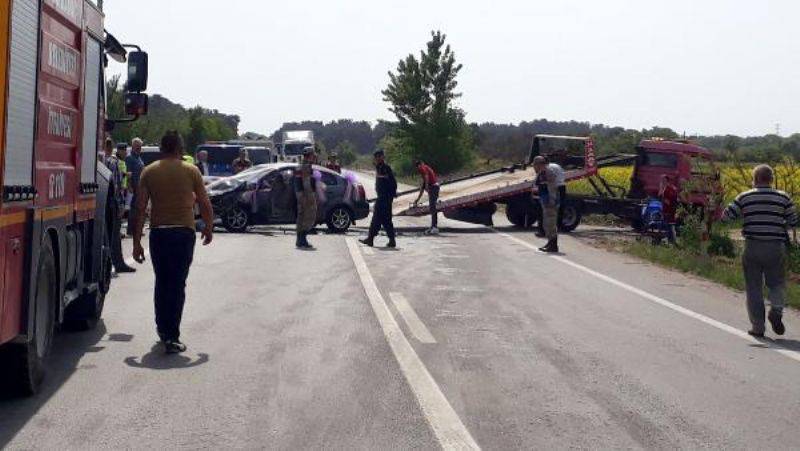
(386, 187)
(430, 184)
(172, 185)
(305, 189)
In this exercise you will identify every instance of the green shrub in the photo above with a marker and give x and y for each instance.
(721, 245)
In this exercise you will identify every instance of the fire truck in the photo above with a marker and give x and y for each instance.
(55, 210)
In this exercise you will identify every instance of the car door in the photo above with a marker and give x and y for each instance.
(333, 188)
(282, 199)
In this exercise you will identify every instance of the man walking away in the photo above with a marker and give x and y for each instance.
(386, 187)
(135, 167)
(202, 163)
(431, 185)
(117, 208)
(548, 197)
(242, 162)
(305, 188)
(767, 213)
(172, 186)
(561, 182)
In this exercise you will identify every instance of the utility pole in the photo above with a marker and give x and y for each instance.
(778, 129)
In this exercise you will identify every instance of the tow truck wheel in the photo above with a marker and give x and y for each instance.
(24, 364)
(522, 214)
(571, 217)
(339, 219)
(236, 220)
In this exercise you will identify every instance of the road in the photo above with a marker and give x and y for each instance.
(469, 339)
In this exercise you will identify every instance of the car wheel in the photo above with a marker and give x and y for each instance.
(236, 220)
(339, 219)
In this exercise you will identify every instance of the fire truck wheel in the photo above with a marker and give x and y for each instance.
(85, 312)
(26, 362)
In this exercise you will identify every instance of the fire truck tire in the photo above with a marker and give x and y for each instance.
(571, 217)
(26, 362)
(85, 312)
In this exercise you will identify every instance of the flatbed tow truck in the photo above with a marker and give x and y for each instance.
(474, 198)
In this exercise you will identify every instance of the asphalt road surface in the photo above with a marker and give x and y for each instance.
(468, 339)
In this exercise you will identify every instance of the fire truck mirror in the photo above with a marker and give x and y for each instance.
(136, 104)
(137, 72)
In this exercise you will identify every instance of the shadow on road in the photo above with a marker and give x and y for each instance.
(780, 343)
(68, 349)
(157, 360)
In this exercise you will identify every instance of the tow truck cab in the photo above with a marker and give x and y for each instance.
(690, 165)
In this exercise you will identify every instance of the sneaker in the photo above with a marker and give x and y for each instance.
(432, 231)
(366, 242)
(755, 333)
(126, 269)
(776, 319)
(174, 347)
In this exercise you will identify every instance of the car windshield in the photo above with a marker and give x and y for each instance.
(237, 180)
(294, 148)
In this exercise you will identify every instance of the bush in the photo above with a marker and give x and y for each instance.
(721, 245)
(793, 258)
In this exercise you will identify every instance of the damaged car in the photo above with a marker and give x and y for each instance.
(265, 195)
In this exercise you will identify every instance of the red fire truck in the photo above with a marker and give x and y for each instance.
(55, 218)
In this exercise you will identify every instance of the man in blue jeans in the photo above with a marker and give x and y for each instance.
(173, 186)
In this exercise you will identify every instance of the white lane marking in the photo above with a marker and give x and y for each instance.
(665, 303)
(415, 325)
(443, 420)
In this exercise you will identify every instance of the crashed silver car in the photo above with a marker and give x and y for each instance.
(265, 194)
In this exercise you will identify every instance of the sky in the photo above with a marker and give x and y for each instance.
(699, 67)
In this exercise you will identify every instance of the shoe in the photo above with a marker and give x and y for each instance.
(776, 319)
(433, 231)
(367, 242)
(174, 347)
(540, 234)
(392, 244)
(755, 333)
(550, 247)
(126, 269)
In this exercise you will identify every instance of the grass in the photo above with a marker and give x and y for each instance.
(723, 270)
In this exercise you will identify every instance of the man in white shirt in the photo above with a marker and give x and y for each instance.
(202, 163)
(558, 171)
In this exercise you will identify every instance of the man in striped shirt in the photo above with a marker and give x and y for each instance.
(767, 214)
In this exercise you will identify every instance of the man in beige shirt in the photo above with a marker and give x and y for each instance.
(172, 186)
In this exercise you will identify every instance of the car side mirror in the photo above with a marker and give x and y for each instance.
(136, 104)
(137, 71)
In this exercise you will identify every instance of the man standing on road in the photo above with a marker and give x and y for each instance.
(386, 187)
(431, 185)
(547, 186)
(202, 163)
(242, 162)
(767, 213)
(172, 186)
(561, 182)
(117, 208)
(135, 167)
(305, 188)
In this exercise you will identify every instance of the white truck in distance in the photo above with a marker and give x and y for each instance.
(293, 143)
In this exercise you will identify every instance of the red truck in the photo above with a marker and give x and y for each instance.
(474, 198)
(55, 209)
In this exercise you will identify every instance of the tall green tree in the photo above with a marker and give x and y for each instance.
(430, 127)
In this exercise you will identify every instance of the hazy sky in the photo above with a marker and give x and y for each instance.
(699, 66)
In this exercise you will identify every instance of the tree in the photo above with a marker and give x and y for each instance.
(429, 127)
(347, 153)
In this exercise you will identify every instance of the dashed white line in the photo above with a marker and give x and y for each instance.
(443, 420)
(663, 302)
(415, 325)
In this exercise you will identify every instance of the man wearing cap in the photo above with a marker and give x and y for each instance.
(386, 187)
(305, 188)
(333, 163)
(547, 188)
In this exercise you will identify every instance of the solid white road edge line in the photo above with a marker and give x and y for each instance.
(794, 355)
(415, 325)
(443, 420)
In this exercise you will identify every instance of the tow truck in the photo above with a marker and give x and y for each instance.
(56, 208)
(474, 198)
